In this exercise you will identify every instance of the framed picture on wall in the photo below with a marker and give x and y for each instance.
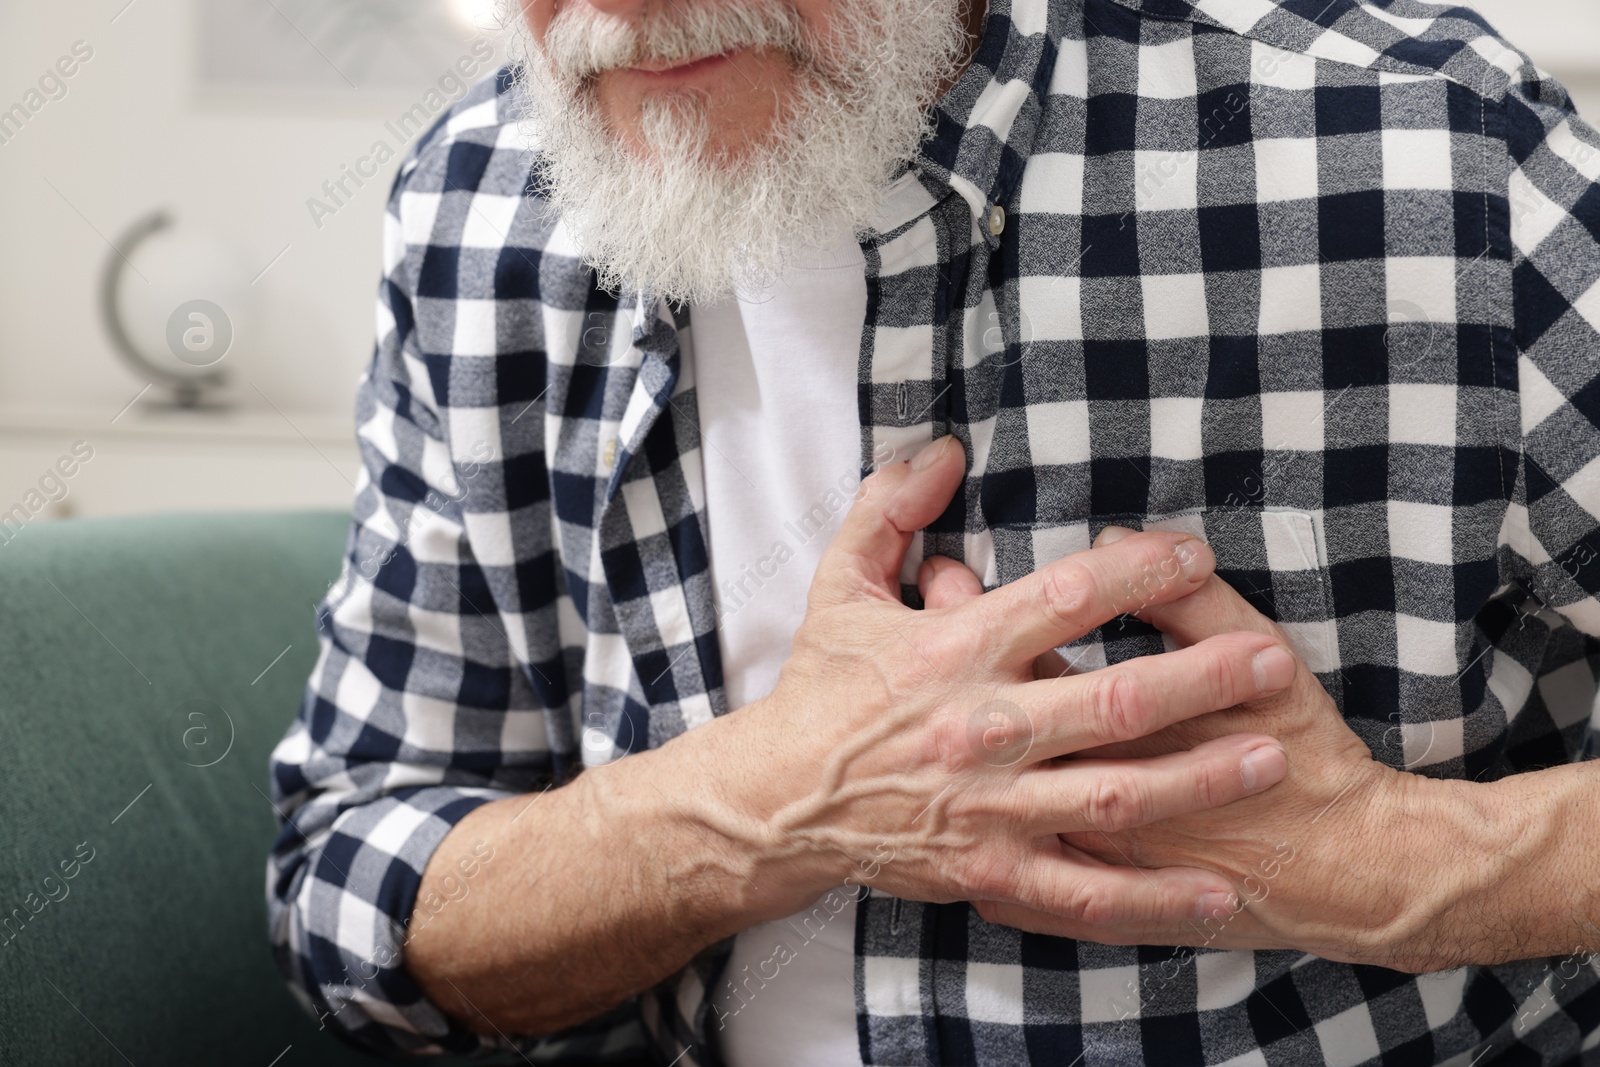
(332, 46)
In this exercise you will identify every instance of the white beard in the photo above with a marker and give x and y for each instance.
(687, 222)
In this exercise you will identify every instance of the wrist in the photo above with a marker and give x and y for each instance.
(769, 777)
(1438, 831)
(1474, 857)
(709, 796)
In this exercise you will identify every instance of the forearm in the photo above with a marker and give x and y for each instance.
(1510, 869)
(596, 891)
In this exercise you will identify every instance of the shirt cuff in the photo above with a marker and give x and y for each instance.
(343, 904)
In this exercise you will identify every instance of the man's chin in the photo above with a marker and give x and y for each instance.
(723, 152)
(727, 134)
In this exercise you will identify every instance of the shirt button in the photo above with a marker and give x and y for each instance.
(997, 220)
(610, 456)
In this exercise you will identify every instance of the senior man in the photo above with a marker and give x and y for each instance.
(752, 380)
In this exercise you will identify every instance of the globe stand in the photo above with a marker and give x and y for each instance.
(189, 389)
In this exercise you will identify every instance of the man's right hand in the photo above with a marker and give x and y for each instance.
(917, 747)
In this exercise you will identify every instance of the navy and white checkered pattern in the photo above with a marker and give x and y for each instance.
(1319, 280)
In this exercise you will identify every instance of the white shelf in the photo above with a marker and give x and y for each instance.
(145, 421)
(149, 459)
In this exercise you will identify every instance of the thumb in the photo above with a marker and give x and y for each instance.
(891, 505)
(944, 583)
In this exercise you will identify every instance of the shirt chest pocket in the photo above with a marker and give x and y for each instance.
(1275, 558)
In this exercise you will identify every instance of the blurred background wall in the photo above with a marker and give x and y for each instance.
(230, 116)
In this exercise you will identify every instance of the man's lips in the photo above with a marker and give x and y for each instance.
(660, 71)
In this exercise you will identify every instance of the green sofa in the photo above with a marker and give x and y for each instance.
(149, 665)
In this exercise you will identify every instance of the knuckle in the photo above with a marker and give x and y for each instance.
(1117, 706)
(949, 751)
(1216, 778)
(1210, 787)
(1091, 903)
(1067, 596)
(1227, 677)
(871, 483)
(1114, 802)
(931, 647)
(871, 501)
(881, 481)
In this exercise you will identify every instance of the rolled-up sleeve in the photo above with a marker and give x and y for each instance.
(416, 713)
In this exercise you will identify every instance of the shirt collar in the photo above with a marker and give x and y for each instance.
(985, 124)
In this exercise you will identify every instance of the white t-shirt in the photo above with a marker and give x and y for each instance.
(780, 440)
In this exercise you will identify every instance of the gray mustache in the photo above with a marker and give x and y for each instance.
(582, 42)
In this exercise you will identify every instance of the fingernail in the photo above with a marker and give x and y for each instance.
(1273, 668)
(1262, 767)
(930, 455)
(1192, 559)
(1215, 906)
(1111, 535)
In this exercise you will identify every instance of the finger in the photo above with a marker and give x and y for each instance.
(1214, 608)
(1141, 696)
(1108, 796)
(1123, 1003)
(1063, 601)
(1076, 887)
(944, 583)
(891, 505)
(1228, 926)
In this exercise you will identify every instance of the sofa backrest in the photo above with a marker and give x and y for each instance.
(147, 667)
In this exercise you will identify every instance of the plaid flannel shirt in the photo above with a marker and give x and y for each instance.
(1318, 280)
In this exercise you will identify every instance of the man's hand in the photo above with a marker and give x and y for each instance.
(1347, 858)
(916, 751)
(909, 750)
(1303, 860)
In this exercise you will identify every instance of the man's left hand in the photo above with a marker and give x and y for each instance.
(1346, 858)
